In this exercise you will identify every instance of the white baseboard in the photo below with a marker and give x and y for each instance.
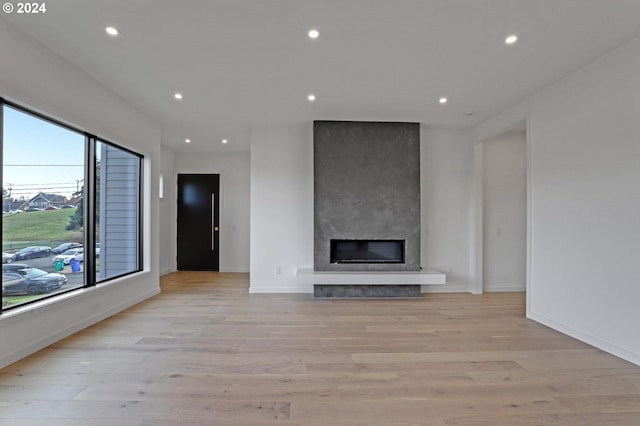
(504, 288)
(609, 347)
(229, 270)
(167, 271)
(298, 288)
(447, 288)
(238, 270)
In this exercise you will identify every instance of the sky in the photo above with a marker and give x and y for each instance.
(39, 156)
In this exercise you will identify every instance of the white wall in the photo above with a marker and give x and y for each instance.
(446, 189)
(167, 213)
(504, 212)
(584, 201)
(233, 169)
(281, 207)
(34, 77)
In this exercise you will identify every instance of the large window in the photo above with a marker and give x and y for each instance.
(70, 208)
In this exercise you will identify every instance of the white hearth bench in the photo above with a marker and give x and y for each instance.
(364, 283)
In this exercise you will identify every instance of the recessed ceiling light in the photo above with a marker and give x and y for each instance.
(314, 34)
(187, 141)
(311, 97)
(112, 31)
(443, 100)
(178, 96)
(511, 39)
(224, 141)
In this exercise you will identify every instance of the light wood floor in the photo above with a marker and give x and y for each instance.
(205, 352)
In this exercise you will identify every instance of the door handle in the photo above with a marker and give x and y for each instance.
(214, 228)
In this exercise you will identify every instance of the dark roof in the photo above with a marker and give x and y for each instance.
(51, 198)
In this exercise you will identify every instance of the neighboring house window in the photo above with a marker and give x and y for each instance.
(117, 185)
(58, 242)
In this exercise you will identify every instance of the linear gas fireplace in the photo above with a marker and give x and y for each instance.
(367, 251)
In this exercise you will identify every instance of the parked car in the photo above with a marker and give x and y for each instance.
(69, 255)
(67, 206)
(15, 211)
(10, 279)
(64, 247)
(32, 209)
(32, 252)
(7, 257)
(36, 281)
(52, 208)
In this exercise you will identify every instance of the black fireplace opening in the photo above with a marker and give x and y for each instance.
(367, 251)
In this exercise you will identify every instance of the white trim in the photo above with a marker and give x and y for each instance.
(505, 289)
(225, 270)
(235, 270)
(587, 338)
(449, 288)
(293, 288)
(528, 210)
(167, 272)
(477, 225)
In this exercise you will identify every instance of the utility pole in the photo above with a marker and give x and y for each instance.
(4, 205)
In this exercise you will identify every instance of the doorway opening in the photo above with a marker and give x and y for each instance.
(504, 211)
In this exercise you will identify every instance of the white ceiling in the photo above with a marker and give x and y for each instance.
(245, 63)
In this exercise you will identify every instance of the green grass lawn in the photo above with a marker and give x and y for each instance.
(17, 300)
(36, 228)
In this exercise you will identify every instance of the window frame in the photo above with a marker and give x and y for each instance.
(89, 199)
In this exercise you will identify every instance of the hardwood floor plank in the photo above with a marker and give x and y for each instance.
(39, 391)
(74, 378)
(577, 419)
(214, 422)
(73, 422)
(602, 403)
(418, 409)
(612, 381)
(136, 409)
(565, 361)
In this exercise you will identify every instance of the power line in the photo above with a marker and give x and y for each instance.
(36, 187)
(46, 183)
(48, 190)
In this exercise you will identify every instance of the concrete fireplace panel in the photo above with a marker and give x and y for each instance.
(363, 290)
(366, 186)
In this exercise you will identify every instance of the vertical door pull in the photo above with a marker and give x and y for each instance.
(213, 222)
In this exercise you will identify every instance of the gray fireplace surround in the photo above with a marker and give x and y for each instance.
(366, 188)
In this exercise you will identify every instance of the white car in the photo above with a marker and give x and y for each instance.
(67, 256)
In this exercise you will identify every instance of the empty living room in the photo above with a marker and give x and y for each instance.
(294, 212)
